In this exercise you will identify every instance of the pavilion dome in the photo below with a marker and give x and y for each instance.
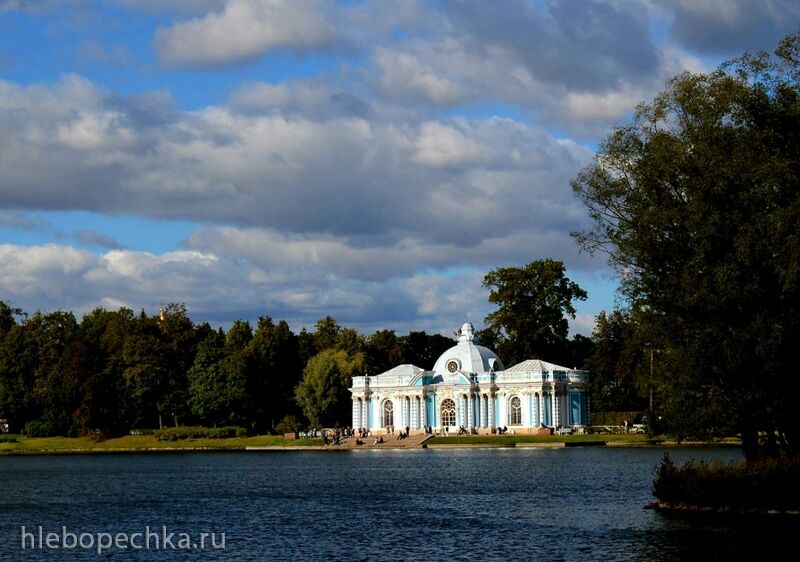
(467, 357)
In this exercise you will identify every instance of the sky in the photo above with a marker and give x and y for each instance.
(368, 160)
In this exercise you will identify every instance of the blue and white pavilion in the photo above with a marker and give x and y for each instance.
(470, 387)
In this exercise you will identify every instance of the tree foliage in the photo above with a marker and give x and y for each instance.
(116, 370)
(323, 393)
(697, 204)
(533, 302)
(618, 365)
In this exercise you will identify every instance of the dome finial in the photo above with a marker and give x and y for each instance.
(467, 332)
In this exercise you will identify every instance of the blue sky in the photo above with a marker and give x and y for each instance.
(369, 160)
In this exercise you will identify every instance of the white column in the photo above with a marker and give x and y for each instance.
(414, 414)
(524, 403)
(356, 414)
(588, 419)
(556, 413)
(424, 405)
(478, 410)
(491, 411)
(536, 412)
(365, 413)
(469, 411)
(541, 407)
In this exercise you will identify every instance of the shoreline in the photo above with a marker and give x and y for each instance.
(275, 444)
(699, 510)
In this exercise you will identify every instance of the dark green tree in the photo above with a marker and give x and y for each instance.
(7, 317)
(617, 364)
(104, 405)
(422, 349)
(697, 204)
(180, 338)
(19, 360)
(533, 302)
(58, 372)
(326, 335)
(217, 380)
(323, 393)
(275, 370)
(305, 345)
(382, 352)
(146, 359)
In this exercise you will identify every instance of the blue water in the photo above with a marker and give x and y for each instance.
(485, 504)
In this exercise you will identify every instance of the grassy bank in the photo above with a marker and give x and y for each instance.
(512, 440)
(32, 445)
(769, 485)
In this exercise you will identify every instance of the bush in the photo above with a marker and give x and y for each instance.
(180, 433)
(762, 485)
(8, 439)
(38, 429)
(96, 435)
(289, 424)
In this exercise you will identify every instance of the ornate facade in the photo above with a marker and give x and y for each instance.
(469, 387)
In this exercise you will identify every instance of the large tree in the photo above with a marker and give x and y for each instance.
(275, 369)
(697, 203)
(323, 393)
(533, 302)
(618, 364)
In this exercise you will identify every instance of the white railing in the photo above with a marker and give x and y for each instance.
(405, 380)
(519, 377)
(383, 380)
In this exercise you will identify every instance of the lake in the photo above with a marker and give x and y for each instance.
(479, 504)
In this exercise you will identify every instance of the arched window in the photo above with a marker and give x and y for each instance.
(448, 413)
(388, 413)
(515, 411)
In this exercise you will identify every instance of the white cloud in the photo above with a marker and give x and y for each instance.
(309, 100)
(444, 145)
(403, 76)
(75, 146)
(245, 29)
(222, 289)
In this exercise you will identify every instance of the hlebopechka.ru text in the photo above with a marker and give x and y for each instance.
(156, 538)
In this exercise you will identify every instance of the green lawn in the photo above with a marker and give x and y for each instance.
(137, 442)
(512, 439)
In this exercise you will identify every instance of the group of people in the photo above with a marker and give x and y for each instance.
(336, 437)
(363, 433)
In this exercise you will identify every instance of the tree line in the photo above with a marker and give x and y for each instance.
(116, 370)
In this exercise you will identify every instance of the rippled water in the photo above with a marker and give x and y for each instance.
(485, 504)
